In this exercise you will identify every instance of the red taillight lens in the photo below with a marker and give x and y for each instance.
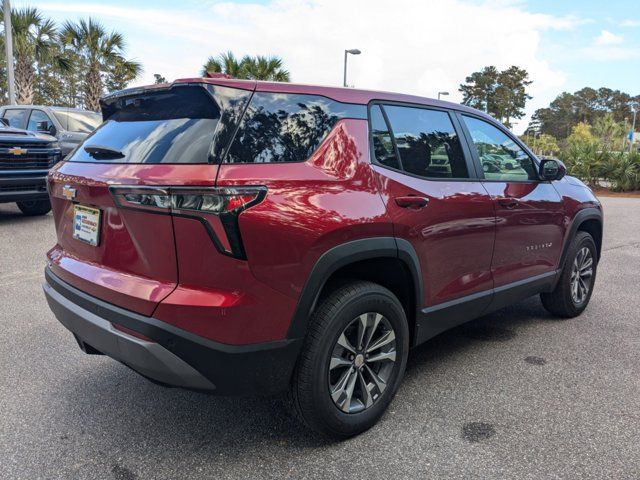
(224, 202)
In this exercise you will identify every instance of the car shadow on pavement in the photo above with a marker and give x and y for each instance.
(9, 214)
(499, 326)
(108, 399)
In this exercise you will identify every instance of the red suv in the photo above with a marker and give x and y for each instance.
(248, 237)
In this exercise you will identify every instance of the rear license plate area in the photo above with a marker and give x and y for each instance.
(86, 224)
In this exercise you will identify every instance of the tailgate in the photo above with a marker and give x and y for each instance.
(133, 264)
(159, 138)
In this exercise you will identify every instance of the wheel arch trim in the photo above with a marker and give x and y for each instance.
(589, 213)
(345, 254)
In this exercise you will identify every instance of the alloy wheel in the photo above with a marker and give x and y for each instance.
(581, 275)
(362, 362)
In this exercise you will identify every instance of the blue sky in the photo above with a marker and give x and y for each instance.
(410, 46)
(614, 63)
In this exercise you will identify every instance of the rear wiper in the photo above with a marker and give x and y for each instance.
(100, 152)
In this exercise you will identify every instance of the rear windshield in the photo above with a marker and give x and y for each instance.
(177, 125)
(75, 121)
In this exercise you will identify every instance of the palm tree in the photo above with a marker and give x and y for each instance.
(223, 63)
(255, 68)
(265, 68)
(120, 73)
(34, 42)
(99, 52)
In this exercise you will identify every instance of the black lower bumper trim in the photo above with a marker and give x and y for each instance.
(264, 368)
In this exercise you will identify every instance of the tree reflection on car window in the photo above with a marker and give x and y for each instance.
(284, 128)
(427, 142)
(501, 158)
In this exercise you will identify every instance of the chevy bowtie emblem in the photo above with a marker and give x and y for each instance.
(17, 151)
(68, 192)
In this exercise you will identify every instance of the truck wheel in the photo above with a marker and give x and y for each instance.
(34, 207)
(575, 286)
(352, 361)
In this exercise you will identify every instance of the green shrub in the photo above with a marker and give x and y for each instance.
(591, 162)
(586, 160)
(626, 174)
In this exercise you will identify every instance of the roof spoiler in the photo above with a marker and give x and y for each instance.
(109, 102)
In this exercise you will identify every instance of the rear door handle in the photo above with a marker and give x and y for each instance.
(412, 202)
(509, 203)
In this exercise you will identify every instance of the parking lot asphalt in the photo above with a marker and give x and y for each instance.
(515, 394)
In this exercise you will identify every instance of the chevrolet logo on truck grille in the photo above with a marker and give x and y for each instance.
(17, 151)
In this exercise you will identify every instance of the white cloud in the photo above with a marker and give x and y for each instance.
(608, 38)
(608, 47)
(630, 23)
(407, 46)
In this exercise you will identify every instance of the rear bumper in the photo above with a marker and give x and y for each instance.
(17, 187)
(173, 357)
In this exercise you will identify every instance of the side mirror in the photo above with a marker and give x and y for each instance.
(4, 121)
(552, 169)
(43, 127)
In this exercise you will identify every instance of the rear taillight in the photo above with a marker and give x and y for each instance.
(225, 203)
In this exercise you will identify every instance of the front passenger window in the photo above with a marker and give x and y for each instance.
(39, 119)
(502, 159)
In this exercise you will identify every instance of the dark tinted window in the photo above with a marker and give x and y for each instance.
(501, 158)
(383, 149)
(427, 142)
(279, 127)
(165, 126)
(16, 117)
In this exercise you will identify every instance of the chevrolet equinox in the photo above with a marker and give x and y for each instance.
(246, 237)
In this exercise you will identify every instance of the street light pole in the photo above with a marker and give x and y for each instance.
(442, 93)
(633, 131)
(353, 51)
(8, 42)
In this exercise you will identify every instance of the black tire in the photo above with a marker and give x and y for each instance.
(34, 207)
(310, 396)
(561, 301)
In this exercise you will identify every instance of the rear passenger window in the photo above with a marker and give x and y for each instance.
(383, 149)
(282, 127)
(427, 142)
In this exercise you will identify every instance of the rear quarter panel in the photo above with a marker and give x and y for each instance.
(310, 207)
